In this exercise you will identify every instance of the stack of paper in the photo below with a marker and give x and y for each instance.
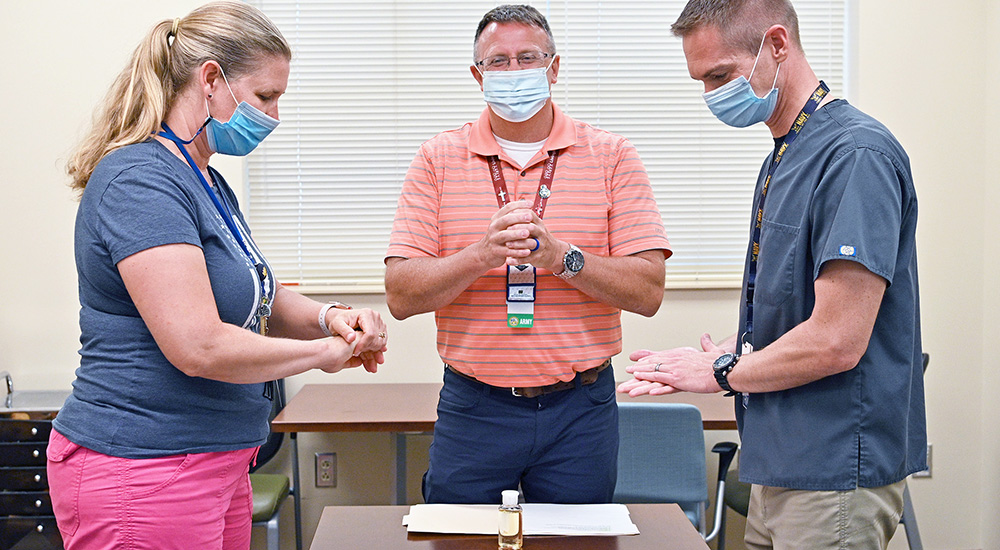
(539, 519)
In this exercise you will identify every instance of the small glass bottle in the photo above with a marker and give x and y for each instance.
(510, 537)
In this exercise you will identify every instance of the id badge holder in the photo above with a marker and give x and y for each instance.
(746, 348)
(521, 296)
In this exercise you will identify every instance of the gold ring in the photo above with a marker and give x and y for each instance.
(381, 335)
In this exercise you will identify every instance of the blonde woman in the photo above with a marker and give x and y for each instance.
(183, 324)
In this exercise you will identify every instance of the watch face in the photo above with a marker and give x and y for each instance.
(724, 362)
(573, 260)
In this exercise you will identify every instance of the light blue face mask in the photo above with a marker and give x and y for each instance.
(736, 104)
(242, 133)
(516, 96)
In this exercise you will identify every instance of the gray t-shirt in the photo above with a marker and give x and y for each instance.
(843, 191)
(128, 400)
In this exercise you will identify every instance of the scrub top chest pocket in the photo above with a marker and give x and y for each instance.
(776, 263)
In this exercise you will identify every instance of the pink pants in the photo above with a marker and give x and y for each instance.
(179, 502)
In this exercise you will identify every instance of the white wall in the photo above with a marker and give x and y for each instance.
(924, 71)
(915, 74)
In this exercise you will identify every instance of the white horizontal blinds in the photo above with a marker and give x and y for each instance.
(370, 81)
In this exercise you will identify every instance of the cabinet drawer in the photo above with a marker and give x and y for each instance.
(24, 430)
(26, 533)
(23, 454)
(24, 479)
(25, 503)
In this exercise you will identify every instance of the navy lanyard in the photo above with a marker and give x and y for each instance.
(264, 311)
(800, 121)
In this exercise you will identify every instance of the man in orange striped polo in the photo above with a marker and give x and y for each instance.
(527, 233)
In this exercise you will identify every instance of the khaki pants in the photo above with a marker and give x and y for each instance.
(788, 519)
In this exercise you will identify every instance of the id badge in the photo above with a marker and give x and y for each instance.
(746, 348)
(521, 296)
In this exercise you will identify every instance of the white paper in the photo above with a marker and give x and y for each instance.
(539, 519)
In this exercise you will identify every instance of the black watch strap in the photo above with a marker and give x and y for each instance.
(722, 367)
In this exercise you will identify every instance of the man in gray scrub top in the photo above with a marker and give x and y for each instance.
(827, 360)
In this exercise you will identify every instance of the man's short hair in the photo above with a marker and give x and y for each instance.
(740, 22)
(514, 13)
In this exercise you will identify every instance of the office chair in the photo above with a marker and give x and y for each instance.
(737, 496)
(661, 458)
(270, 490)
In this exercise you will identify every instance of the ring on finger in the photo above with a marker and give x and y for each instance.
(537, 244)
(381, 335)
(657, 367)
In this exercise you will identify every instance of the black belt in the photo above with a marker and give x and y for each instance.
(587, 377)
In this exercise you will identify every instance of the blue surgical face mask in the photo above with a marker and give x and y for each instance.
(242, 133)
(516, 96)
(736, 104)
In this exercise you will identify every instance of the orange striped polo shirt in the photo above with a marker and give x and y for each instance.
(601, 202)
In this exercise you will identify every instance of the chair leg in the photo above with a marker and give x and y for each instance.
(909, 521)
(721, 539)
(272, 532)
(702, 522)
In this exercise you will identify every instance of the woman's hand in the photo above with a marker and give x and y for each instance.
(365, 331)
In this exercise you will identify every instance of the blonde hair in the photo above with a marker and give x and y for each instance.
(233, 34)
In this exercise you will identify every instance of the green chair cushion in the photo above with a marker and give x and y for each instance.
(737, 495)
(269, 491)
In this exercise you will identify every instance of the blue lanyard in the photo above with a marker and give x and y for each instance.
(264, 311)
(800, 121)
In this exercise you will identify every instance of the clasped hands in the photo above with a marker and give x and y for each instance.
(516, 235)
(673, 370)
(365, 331)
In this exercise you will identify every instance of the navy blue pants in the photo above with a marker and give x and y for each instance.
(561, 447)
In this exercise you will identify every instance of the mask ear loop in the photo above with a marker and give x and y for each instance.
(757, 59)
(228, 86)
(209, 111)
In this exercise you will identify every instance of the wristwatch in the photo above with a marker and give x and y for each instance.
(572, 263)
(322, 315)
(722, 367)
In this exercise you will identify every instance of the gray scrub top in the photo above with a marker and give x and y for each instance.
(842, 191)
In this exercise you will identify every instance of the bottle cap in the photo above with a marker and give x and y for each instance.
(509, 498)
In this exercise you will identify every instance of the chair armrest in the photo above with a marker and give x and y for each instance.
(727, 452)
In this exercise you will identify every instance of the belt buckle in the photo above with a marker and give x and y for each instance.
(513, 392)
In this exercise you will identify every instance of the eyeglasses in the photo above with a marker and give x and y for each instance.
(526, 60)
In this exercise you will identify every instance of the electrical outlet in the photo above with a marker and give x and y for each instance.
(326, 469)
(927, 472)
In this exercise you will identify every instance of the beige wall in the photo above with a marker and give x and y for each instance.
(990, 411)
(922, 72)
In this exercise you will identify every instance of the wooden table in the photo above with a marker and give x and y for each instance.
(412, 408)
(661, 527)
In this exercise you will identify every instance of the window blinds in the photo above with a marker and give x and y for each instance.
(370, 81)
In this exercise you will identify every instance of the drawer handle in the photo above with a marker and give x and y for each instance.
(38, 478)
(40, 528)
(35, 453)
(38, 504)
(34, 431)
